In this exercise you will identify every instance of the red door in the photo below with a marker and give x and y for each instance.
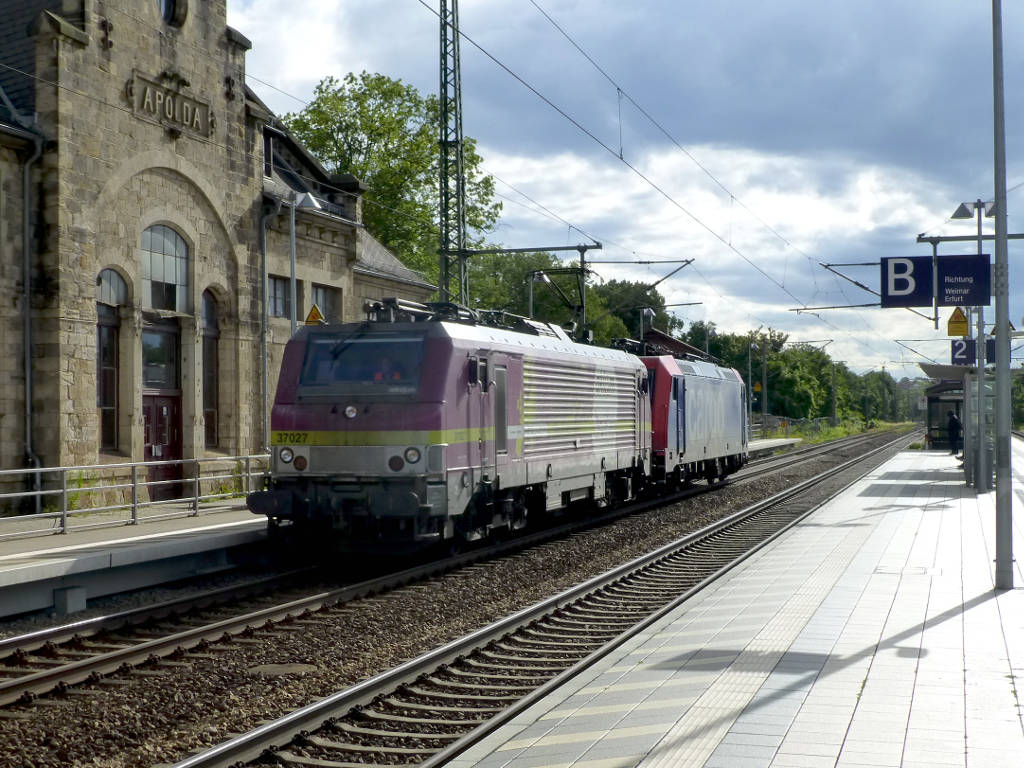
(162, 415)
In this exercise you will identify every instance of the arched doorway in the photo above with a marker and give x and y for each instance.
(165, 269)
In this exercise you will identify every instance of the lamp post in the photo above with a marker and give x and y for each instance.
(645, 312)
(1000, 272)
(751, 345)
(835, 399)
(764, 386)
(981, 473)
(535, 276)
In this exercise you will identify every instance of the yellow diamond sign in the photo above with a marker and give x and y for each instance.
(957, 325)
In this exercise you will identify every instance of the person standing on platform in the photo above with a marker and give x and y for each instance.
(953, 428)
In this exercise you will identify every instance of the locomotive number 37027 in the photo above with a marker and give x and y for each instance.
(290, 438)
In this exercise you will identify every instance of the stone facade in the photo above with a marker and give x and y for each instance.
(12, 382)
(151, 142)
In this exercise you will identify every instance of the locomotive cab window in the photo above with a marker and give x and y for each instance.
(476, 372)
(369, 364)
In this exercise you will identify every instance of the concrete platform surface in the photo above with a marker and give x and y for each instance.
(868, 635)
(63, 571)
(760, 446)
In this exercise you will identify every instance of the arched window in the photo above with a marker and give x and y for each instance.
(111, 292)
(164, 261)
(211, 373)
(173, 11)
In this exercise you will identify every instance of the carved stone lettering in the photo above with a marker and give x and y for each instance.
(167, 105)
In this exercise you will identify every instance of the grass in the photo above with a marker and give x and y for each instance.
(812, 434)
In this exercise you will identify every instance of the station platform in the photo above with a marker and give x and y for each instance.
(868, 635)
(62, 572)
(759, 447)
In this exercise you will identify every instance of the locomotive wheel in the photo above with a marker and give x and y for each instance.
(520, 515)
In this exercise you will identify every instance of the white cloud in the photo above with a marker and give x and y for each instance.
(837, 135)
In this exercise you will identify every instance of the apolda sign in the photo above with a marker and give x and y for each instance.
(161, 99)
(962, 280)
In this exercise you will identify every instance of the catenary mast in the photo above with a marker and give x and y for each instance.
(453, 278)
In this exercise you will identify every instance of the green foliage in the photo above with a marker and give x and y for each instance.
(627, 301)
(502, 281)
(386, 134)
(1017, 399)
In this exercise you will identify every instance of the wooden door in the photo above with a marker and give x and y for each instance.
(162, 419)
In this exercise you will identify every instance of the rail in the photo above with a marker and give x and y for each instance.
(414, 673)
(104, 495)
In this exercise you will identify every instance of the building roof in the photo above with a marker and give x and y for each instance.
(18, 49)
(374, 259)
(13, 129)
(947, 372)
(296, 170)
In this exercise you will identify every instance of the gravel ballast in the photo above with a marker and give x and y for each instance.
(160, 715)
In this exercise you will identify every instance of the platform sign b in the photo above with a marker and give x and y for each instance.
(907, 281)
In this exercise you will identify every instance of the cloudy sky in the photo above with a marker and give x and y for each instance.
(756, 138)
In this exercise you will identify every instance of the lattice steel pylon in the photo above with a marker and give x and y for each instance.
(453, 276)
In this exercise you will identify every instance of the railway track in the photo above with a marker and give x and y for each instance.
(799, 454)
(56, 659)
(430, 709)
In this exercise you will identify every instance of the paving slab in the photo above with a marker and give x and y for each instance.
(869, 635)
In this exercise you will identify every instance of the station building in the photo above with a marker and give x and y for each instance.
(150, 207)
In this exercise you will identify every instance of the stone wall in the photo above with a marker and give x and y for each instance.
(12, 383)
(122, 164)
(147, 124)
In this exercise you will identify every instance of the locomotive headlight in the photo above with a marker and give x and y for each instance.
(286, 455)
(412, 455)
(351, 411)
(300, 463)
(395, 463)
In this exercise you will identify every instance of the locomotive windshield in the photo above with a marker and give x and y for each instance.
(361, 364)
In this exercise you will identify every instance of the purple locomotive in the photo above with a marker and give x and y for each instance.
(430, 424)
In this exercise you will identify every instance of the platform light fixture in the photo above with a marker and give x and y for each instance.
(965, 211)
(1001, 293)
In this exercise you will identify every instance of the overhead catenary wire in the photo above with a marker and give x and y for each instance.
(400, 213)
(640, 174)
(621, 92)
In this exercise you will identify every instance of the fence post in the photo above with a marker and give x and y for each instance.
(195, 487)
(248, 471)
(63, 501)
(135, 494)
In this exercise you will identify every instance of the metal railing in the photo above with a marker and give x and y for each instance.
(104, 495)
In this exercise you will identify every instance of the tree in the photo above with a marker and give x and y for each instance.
(502, 281)
(1017, 399)
(627, 300)
(386, 134)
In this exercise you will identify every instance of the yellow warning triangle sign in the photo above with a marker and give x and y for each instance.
(957, 325)
(315, 317)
